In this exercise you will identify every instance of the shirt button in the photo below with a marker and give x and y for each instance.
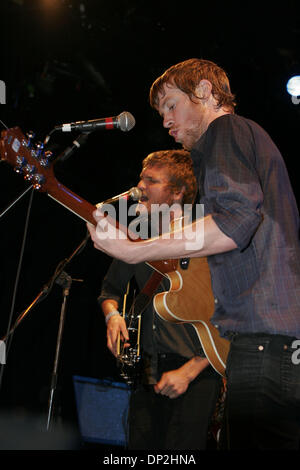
(216, 301)
(216, 326)
(260, 348)
(154, 327)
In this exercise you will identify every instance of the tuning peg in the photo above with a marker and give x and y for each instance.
(38, 180)
(29, 171)
(46, 159)
(30, 136)
(39, 149)
(20, 163)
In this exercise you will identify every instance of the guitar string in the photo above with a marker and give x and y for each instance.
(3, 124)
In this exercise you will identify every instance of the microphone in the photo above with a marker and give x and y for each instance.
(77, 143)
(125, 122)
(134, 194)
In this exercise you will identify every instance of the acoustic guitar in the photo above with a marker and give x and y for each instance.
(189, 299)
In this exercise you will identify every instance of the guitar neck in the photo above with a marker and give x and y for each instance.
(36, 168)
(72, 201)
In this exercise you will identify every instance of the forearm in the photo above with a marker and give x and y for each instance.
(200, 239)
(109, 306)
(176, 382)
(194, 367)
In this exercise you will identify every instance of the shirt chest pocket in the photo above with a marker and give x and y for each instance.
(234, 273)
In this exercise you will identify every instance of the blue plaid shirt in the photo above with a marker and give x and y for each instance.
(245, 186)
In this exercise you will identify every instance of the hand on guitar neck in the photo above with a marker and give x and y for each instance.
(116, 327)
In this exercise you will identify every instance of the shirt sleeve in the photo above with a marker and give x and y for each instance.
(232, 190)
(115, 282)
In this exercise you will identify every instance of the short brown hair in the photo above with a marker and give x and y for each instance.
(180, 171)
(187, 75)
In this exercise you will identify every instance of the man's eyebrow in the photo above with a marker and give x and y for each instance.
(148, 177)
(162, 102)
(151, 178)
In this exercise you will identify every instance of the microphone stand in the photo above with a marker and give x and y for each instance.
(66, 154)
(59, 276)
(62, 278)
(77, 143)
(46, 288)
(65, 281)
(15, 201)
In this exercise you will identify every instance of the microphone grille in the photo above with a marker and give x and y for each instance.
(135, 194)
(126, 121)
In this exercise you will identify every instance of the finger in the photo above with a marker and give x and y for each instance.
(125, 333)
(173, 395)
(166, 392)
(112, 338)
(160, 388)
(111, 346)
(98, 213)
(106, 229)
(125, 342)
(91, 228)
(107, 213)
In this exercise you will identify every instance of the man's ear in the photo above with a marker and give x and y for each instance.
(178, 195)
(204, 89)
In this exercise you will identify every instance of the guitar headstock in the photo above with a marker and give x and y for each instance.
(31, 161)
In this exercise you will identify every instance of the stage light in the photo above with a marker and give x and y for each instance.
(293, 88)
(50, 4)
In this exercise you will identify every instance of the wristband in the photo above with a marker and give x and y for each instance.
(111, 314)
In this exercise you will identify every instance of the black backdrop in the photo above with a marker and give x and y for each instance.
(73, 60)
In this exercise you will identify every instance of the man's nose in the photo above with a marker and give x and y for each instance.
(141, 185)
(168, 121)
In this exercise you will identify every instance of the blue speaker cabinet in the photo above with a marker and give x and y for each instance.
(102, 409)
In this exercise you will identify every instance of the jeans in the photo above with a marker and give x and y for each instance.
(157, 422)
(262, 408)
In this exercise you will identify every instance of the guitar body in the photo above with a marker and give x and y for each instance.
(190, 300)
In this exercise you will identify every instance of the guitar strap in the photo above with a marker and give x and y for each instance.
(145, 296)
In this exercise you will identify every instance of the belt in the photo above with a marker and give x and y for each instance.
(273, 338)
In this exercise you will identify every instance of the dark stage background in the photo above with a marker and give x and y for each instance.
(72, 60)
